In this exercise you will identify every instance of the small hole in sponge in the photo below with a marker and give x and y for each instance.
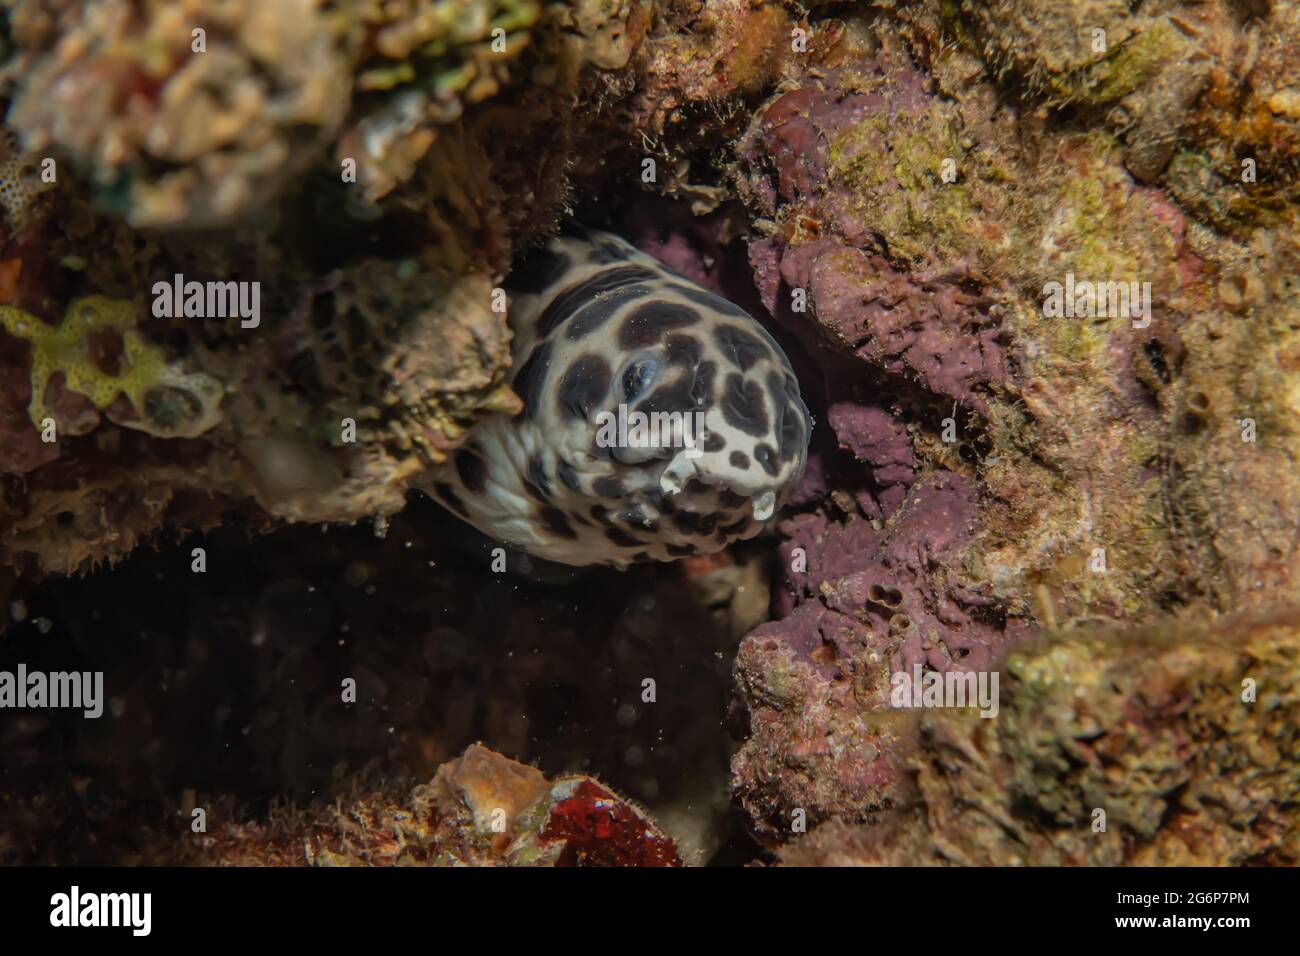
(171, 408)
(105, 350)
(885, 595)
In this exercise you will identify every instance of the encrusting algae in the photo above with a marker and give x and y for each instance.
(164, 400)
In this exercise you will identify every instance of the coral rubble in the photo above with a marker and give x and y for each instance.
(480, 809)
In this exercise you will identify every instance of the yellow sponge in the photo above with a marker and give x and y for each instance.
(167, 401)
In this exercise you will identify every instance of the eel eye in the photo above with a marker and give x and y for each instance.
(638, 377)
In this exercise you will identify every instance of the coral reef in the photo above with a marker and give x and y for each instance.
(373, 367)
(872, 602)
(1181, 735)
(183, 114)
(428, 59)
(21, 185)
(1100, 468)
(1037, 269)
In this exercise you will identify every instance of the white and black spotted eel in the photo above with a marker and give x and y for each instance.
(597, 323)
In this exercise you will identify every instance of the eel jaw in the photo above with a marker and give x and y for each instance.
(679, 471)
(683, 468)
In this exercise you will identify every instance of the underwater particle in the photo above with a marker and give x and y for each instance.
(638, 390)
(167, 401)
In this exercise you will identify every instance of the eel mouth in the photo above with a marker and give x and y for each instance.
(683, 470)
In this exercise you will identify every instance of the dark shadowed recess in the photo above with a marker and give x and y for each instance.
(227, 683)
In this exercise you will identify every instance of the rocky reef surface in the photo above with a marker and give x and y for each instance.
(1038, 269)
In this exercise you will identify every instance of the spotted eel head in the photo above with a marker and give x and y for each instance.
(660, 420)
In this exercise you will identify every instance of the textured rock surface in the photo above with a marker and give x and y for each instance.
(1081, 483)
(1150, 726)
(1108, 503)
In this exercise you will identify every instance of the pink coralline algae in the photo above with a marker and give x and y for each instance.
(868, 602)
(795, 132)
(874, 587)
(932, 327)
(886, 577)
(879, 441)
(934, 324)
